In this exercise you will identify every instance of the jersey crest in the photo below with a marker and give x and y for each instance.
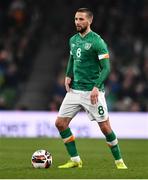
(87, 46)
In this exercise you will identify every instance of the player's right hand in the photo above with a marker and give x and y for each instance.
(94, 95)
(67, 83)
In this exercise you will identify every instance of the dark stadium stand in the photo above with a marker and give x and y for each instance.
(34, 51)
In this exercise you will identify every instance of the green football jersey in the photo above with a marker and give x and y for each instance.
(84, 66)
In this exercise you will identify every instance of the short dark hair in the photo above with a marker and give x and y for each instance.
(86, 10)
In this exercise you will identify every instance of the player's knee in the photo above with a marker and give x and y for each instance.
(105, 127)
(58, 123)
(105, 130)
(61, 126)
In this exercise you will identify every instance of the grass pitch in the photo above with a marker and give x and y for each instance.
(15, 159)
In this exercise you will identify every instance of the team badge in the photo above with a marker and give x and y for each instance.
(87, 46)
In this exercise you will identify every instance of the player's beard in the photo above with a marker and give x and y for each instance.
(81, 29)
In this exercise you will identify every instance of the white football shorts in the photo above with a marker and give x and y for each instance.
(76, 100)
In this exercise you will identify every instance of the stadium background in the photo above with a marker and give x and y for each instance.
(33, 56)
(34, 52)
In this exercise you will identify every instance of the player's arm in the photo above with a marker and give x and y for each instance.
(105, 66)
(69, 73)
(103, 57)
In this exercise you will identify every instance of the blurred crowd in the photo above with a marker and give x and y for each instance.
(121, 23)
(18, 24)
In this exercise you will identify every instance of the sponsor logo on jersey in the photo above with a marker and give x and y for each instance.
(72, 45)
(87, 46)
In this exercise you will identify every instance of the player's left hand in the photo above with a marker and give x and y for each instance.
(94, 95)
(67, 83)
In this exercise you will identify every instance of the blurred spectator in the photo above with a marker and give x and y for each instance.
(16, 32)
(58, 94)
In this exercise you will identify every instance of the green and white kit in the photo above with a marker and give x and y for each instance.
(88, 67)
(76, 100)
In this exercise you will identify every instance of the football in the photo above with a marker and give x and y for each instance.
(41, 159)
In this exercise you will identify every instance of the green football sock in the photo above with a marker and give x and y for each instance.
(114, 146)
(69, 142)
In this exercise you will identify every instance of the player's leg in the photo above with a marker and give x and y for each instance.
(62, 124)
(67, 111)
(111, 139)
(112, 142)
(99, 113)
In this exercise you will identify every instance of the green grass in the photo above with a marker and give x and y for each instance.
(15, 155)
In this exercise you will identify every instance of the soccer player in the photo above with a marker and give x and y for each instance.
(87, 69)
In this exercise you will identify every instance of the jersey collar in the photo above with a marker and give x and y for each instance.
(85, 34)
